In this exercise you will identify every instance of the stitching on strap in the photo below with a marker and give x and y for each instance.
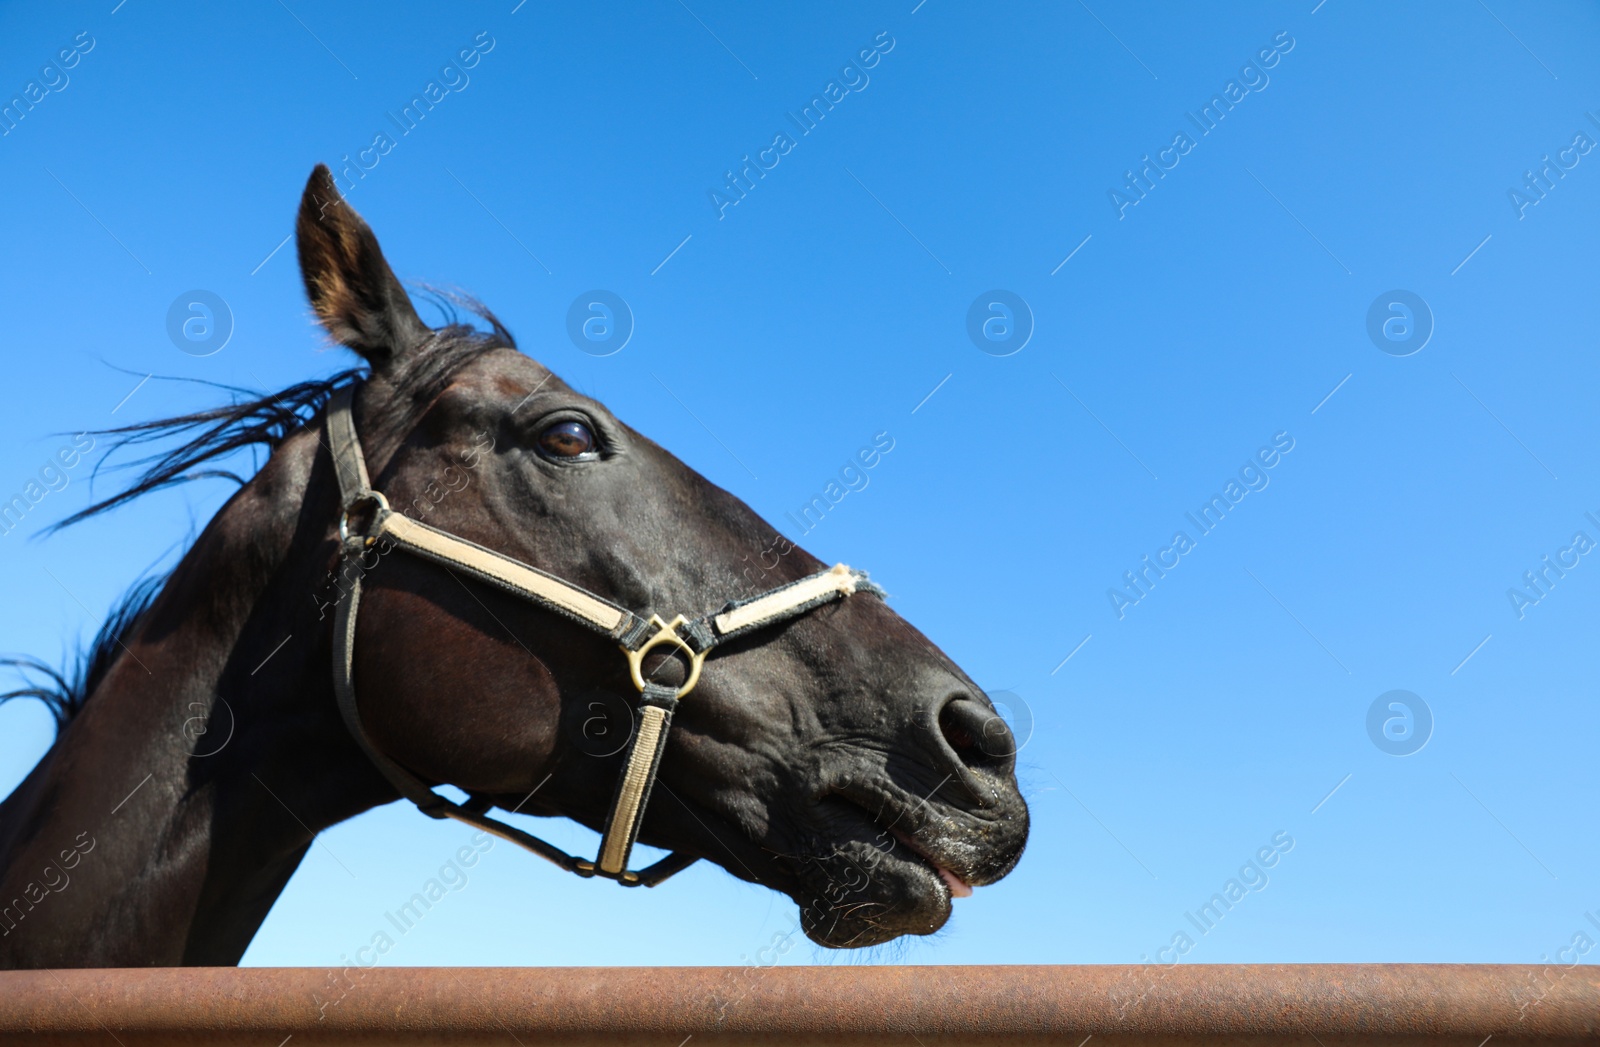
(633, 791)
(785, 601)
(505, 572)
(349, 465)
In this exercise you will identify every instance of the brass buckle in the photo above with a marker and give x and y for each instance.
(666, 632)
(380, 509)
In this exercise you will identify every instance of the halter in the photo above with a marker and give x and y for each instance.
(637, 636)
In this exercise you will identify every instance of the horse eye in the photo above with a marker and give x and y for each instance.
(566, 440)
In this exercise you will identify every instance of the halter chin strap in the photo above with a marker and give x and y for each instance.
(366, 519)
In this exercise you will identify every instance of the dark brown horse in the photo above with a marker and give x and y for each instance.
(838, 757)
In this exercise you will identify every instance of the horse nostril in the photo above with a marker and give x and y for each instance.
(977, 736)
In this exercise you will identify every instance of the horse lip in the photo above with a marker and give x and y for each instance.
(957, 886)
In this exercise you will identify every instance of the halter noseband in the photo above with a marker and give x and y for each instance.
(694, 637)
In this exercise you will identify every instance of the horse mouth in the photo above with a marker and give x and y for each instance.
(957, 887)
(888, 872)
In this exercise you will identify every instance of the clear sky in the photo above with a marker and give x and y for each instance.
(1341, 255)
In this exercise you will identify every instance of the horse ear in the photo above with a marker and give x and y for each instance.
(351, 287)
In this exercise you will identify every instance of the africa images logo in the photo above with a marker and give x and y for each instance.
(852, 78)
(1253, 79)
(1252, 476)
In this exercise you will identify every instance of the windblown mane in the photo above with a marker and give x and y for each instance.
(213, 434)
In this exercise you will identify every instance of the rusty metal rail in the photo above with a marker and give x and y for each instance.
(1331, 1005)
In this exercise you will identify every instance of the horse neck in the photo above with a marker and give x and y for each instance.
(173, 809)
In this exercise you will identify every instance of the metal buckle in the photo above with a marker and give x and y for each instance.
(373, 498)
(666, 632)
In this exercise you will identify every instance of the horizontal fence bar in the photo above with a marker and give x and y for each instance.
(1332, 1005)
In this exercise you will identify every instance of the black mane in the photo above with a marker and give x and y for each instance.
(214, 433)
(249, 421)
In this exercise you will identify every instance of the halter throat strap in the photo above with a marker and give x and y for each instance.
(366, 521)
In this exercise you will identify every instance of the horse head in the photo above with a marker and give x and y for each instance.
(839, 757)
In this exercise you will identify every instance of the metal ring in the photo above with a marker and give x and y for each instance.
(375, 498)
(666, 632)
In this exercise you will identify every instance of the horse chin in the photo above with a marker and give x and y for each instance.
(898, 893)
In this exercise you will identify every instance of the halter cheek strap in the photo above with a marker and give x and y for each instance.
(366, 520)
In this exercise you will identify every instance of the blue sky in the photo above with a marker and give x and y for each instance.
(1373, 149)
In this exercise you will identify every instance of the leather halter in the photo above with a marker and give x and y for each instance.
(693, 637)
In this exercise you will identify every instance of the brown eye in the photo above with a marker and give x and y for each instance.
(566, 440)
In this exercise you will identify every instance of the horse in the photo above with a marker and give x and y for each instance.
(827, 750)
